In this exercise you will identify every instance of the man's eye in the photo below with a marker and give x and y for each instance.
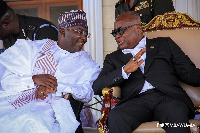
(79, 31)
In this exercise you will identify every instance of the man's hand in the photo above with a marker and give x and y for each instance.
(45, 80)
(134, 62)
(42, 92)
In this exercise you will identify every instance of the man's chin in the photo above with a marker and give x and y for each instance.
(120, 47)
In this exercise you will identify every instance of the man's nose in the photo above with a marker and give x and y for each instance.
(118, 35)
(84, 37)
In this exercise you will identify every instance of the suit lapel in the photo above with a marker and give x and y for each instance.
(151, 50)
(125, 57)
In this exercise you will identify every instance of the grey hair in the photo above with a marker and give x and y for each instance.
(132, 16)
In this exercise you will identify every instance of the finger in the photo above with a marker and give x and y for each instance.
(43, 97)
(40, 94)
(44, 89)
(136, 58)
(53, 80)
(36, 95)
(141, 52)
(48, 84)
(53, 89)
(45, 80)
(52, 83)
(46, 95)
(140, 62)
(48, 89)
(46, 92)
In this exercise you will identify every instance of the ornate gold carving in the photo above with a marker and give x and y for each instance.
(105, 91)
(100, 125)
(171, 20)
(197, 109)
(143, 3)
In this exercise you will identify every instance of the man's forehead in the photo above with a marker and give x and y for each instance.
(78, 27)
(122, 23)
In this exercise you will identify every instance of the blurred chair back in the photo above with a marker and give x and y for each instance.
(185, 32)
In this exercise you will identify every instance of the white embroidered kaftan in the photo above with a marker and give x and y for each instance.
(75, 74)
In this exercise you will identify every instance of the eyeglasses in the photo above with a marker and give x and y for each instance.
(81, 32)
(121, 30)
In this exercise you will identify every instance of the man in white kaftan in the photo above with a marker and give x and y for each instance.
(22, 110)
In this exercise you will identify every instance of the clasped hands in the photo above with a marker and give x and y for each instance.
(134, 62)
(46, 83)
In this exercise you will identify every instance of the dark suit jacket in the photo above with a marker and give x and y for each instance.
(165, 65)
(35, 29)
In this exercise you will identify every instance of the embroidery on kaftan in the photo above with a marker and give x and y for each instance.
(45, 64)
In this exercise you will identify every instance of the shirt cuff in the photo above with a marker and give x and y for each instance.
(124, 75)
(62, 90)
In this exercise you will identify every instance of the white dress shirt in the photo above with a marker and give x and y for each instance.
(134, 51)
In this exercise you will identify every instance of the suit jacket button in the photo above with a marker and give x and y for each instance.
(116, 79)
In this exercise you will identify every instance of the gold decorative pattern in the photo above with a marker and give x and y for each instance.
(100, 128)
(197, 109)
(105, 91)
(171, 20)
(106, 107)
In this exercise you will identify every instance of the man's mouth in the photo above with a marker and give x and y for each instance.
(81, 43)
(119, 43)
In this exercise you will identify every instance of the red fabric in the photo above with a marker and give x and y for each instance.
(113, 103)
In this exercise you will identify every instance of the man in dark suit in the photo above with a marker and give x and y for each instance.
(147, 71)
(147, 9)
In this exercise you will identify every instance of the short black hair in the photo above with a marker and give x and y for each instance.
(3, 8)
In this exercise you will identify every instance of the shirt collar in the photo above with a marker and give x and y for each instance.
(135, 50)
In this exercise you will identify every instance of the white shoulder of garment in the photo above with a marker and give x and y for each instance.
(18, 57)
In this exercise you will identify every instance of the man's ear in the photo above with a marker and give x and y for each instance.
(62, 32)
(139, 28)
(5, 23)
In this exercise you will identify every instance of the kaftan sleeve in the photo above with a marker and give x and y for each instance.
(2, 71)
(82, 90)
(18, 61)
(14, 83)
